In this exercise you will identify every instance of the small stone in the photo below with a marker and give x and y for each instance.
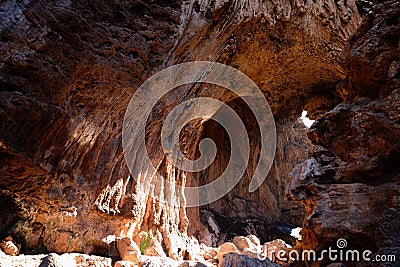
(207, 256)
(225, 249)
(9, 247)
(214, 252)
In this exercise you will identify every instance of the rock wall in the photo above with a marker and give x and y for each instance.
(69, 69)
(350, 183)
(282, 47)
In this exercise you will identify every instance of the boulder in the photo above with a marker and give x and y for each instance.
(21, 260)
(242, 242)
(225, 249)
(251, 253)
(9, 247)
(128, 250)
(272, 248)
(207, 255)
(194, 264)
(234, 260)
(154, 248)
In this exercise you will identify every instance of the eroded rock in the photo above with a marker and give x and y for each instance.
(225, 249)
(350, 183)
(9, 247)
(232, 260)
(128, 250)
(242, 242)
(68, 71)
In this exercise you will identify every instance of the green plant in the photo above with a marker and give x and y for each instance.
(144, 244)
(183, 235)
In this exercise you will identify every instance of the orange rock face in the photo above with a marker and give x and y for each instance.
(69, 69)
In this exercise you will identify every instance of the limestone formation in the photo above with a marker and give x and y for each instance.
(351, 179)
(68, 70)
(128, 249)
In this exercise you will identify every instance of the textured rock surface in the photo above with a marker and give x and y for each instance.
(226, 248)
(388, 231)
(152, 261)
(272, 248)
(231, 260)
(350, 185)
(69, 69)
(242, 242)
(68, 72)
(128, 250)
(54, 260)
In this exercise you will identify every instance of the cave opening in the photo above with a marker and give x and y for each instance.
(265, 212)
(306, 120)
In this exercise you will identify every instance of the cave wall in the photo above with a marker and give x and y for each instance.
(69, 69)
(350, 182)
(289, 50)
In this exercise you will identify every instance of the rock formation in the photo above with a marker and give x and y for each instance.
(70, 68)
(350, 183)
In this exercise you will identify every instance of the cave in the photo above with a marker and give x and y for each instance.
(265, 208)
(69, 75)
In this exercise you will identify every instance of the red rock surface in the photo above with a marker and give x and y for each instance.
(69, 69)
(350, 185)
